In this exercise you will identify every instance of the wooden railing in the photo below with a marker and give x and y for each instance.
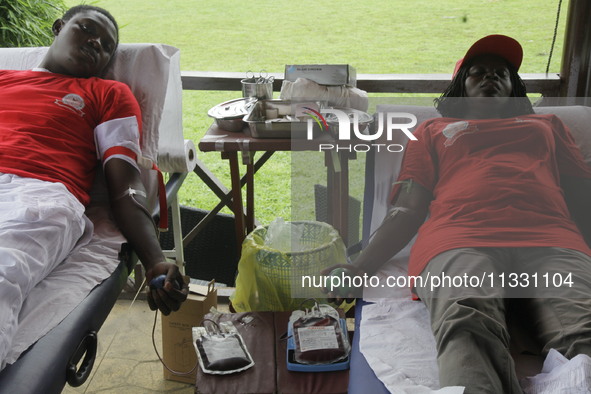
(545, 84)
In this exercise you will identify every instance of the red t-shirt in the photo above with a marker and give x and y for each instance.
(495, 183)
(49, 123)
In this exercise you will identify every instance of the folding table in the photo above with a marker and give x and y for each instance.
(229, 144)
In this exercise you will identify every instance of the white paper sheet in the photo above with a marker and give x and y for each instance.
(560, 375)
(397, 341)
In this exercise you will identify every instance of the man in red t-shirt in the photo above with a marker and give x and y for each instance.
(494, 180)
(56, 123)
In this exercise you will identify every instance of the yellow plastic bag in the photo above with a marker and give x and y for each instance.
(270, 279)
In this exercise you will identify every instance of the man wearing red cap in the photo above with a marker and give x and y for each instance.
(494, 180)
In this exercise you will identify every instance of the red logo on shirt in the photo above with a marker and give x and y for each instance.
(72, 102)
(453, 131)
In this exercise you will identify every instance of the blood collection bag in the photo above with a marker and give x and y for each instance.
(221, 350)
(319, 336)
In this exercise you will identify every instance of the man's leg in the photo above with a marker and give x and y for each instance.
(39, 225)
(562, 303)
(469, 321)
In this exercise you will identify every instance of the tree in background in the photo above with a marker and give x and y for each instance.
(25, 23)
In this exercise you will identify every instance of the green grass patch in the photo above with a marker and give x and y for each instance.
(382, 36)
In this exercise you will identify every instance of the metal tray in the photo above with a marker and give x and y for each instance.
(277, 119)
(281, 123)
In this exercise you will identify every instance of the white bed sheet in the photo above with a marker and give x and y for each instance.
(396, 339)
(399, 347)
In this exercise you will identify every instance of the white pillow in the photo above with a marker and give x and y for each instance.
(578, 119)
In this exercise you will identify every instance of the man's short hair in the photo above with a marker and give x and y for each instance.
(69, 14)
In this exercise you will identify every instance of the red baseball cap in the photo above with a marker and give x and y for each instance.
(496, 44)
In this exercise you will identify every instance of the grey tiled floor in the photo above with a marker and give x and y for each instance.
(126, 361)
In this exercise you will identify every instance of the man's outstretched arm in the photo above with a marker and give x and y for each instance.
(128, 202)
(400, 225)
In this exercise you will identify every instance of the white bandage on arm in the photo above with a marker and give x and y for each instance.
(118, 138)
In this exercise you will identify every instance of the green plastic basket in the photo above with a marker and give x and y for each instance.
(278, 274)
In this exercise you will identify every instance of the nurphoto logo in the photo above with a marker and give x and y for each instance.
(349, 127)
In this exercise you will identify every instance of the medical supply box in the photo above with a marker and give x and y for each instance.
(323, 74)
(178, 352)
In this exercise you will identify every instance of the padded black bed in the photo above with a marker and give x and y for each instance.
(52, 362)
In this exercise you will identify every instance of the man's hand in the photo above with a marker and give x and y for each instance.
(343, 275)
(168, 298)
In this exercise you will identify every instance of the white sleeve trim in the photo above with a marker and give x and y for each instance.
(118, 132)
(122, 157)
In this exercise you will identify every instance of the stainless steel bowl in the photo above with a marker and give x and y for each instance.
(229, 115)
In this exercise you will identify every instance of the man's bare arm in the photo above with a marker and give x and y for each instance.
(128, 201)
(398, 228)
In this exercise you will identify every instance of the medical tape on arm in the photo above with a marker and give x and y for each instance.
(396, 211)
(131, 193)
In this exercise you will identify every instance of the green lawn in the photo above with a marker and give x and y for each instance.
(383, 36)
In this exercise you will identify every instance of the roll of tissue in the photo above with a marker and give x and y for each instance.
(175, 159)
